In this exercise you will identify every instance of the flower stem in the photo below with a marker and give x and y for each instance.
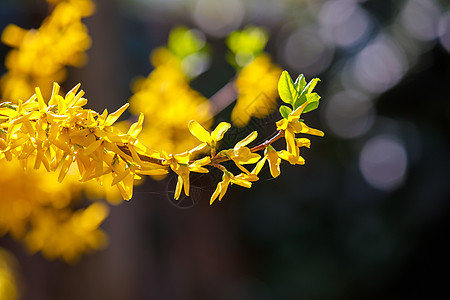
(266, 143)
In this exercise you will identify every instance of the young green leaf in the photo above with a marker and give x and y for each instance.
(311, 85)
(285, 111)
(300, 83)
(300, 100)
(286, 88)
(313, 102)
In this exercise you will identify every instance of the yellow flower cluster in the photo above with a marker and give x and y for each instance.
(26, 194)
(63, 132)
(32, 199)
(256, 85)
(40, 212)
(40, 55)
(168, 103)
(66, 233)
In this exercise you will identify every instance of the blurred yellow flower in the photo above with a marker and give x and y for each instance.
(257, 87)
(39, 56)
(9, 289)
(168, 103)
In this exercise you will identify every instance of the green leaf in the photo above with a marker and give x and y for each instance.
(286, 88)
(184, 42)
(300, 100)
(304, 92)
(285, 111)
(300, 83)
(251, 40)
(313, 102)
(311, 85)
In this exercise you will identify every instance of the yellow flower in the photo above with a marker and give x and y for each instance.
(271, 155)
(228, 178)
(242, 155)
(181, 165)
(291, 158)
(291, 126)
(204, 136)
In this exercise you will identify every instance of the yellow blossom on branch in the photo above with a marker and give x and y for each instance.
(243, 179)
(207, 138)
(241, 154)
(181, 165)
(291, 125)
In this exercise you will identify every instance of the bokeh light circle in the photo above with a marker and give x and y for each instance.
(349, 114)
(383, 162)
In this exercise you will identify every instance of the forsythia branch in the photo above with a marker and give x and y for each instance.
(61, 132)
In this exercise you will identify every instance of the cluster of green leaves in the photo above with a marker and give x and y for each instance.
(184, 42)
(297, 93)
(190, 47)
(245, 45)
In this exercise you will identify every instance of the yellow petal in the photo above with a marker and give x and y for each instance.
(241, 182)
(135, 155)
(201, 162)
(182, 158)
(92, 147)
(299, 110)
(292, 159)
(55, 92)
(120, 177)
(178, 188)
(198, 148)
(136, 128)
(65, 167)
(290, 141)
(245, 156)
(8, 112)
(303, 142)
(301, 127)
(186, 183)
(73, 90)
(215, 194)
(126, 186)
(220, 130)
(250, 138)
(224, 186)
(41, 102)
(259, 166)
(274, 163)
(115, 115)
(282, 124)
(199, 132)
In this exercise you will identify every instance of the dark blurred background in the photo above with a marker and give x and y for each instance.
(367, 217)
